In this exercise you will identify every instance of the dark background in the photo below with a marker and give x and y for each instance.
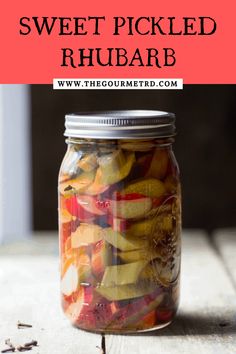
(205, 145)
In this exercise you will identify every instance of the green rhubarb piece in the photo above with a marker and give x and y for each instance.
(138, 255)
(69, 164)
(124, 292)
(166, 222)
(141, 228)
(151, 227)
(122, 274)
(119, 241)
(150, 187)
(110, 163)
(96, 187)
(115, 167)
(159, 164)
(88, 162)
(131, 209)
(107, 173)
(79, 183)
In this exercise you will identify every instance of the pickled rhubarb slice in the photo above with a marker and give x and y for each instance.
(122, 274)
(121, 242)
(86, 234)
(88, 162)
(124, 292)
(78, 184)
(151, 227)
(159, 164)
(115, 167)
(131, 208)
(111, 163)
(138, 255)
(149, 187)
(91, 204)
(97, 187)
(75, 209)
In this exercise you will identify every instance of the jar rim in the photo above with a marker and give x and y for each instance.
(118, 124)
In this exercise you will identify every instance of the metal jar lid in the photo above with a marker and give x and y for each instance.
(128, 124)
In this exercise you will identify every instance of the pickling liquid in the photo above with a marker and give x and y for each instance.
(120, 225)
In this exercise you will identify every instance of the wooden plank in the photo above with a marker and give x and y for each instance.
(30, 293)
(206, 320)
(225, 242)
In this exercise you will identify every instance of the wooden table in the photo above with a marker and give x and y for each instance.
(206, 321)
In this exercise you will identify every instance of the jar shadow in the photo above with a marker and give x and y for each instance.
(195, 324)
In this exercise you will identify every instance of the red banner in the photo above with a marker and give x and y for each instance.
(44, 40)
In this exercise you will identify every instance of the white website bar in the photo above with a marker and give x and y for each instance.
(118, 84)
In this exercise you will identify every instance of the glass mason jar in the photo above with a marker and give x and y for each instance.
(120, 221)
